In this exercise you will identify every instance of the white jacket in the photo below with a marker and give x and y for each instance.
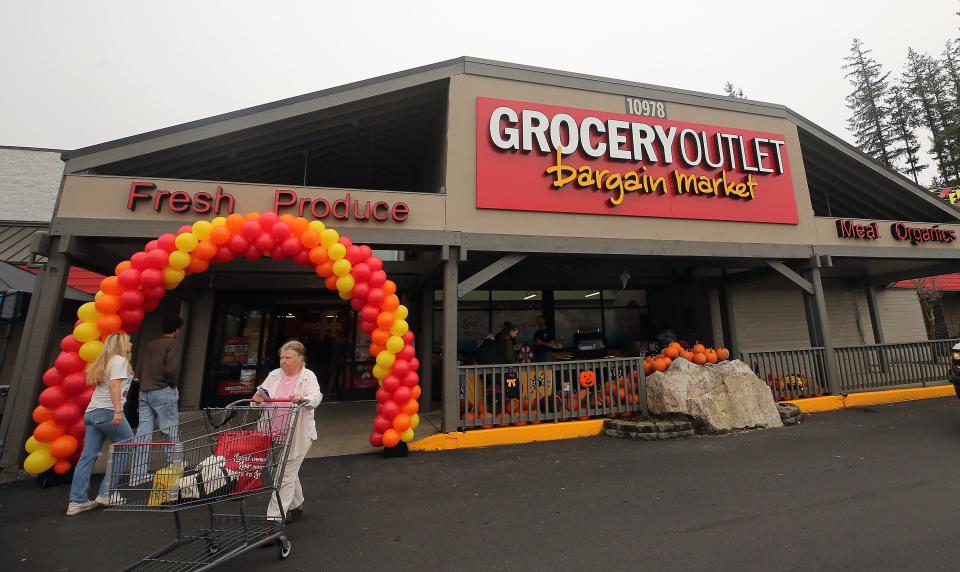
(307, 386)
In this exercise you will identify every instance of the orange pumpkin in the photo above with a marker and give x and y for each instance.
(671, 352)
(660, 364)
(699, 358)
(723, 354)
(668, 360)
(711, 356)
(588, 378)
(687, 355)
(698, 349)
(648, 366)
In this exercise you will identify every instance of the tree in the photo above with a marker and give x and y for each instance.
(921, 79)
(733, 91)
(903, 121)
(870, 122)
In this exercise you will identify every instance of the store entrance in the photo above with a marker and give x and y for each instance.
(248, 332)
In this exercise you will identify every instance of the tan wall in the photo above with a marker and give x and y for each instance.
(900, 315)
(769, 316)
(951, 313)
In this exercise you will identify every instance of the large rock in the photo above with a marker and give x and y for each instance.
(720, 397)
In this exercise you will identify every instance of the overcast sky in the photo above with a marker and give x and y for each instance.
(76, 73)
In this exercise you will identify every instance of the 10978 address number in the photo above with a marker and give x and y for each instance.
(646, 107)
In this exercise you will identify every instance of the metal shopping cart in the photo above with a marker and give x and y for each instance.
(229, 458)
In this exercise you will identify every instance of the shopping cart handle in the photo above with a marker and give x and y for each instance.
(240, 402)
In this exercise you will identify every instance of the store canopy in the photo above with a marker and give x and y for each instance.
(14, 278)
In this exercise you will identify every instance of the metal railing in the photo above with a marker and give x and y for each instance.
(890, 365)
(518, 394)
(791, 373)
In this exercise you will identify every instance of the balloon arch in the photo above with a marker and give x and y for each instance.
(140, 283)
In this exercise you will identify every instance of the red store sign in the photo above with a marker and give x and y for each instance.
(534, 157)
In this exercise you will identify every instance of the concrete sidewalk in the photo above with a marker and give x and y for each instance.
(865, 488)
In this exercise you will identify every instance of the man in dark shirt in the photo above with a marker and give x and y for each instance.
(543, 343)
(159, 374)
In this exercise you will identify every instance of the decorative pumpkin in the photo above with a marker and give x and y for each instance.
(723, 354)
(699, 358)
(698, 349)
(588, 378)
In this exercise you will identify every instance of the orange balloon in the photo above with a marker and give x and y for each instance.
(411, 406)
(389, 287)
(62, 467)
(310, 239)
(64, 446)
(220, 234)
(111, 285)
(330, 281)
(384, 321)
(375, 349)
(287, 218)
(235, 223)
(325, 269)
(298, 226)
(380, 336)
(121, 266)
(391, 438)
(197, 265)
(252, 216)
(41, 414)
(318, 254)
(415, 392)
(48, 431)
(205, 249)
(108, 304)
(109, 324)
(401, 422)
(391, 303)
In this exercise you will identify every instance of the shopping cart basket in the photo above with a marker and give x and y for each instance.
(228, 455)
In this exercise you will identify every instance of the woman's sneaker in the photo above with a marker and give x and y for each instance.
(78, 507)
(113, 499)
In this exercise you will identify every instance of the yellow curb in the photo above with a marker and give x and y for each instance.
(832, 403)
(508, 435)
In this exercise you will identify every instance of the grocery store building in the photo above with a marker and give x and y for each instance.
(496, 191)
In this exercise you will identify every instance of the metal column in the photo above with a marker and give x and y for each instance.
(451, 383)
(823, 326)
(876, 325)
(424, 345)
(33, 358)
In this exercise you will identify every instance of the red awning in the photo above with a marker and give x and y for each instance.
(944, 283)
(81, 279)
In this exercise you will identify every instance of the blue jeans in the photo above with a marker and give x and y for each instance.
(98, 424)
(159, 405)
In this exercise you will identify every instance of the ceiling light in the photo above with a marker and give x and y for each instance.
(529, 296)
(592, 294)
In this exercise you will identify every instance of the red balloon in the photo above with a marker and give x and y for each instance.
(74, 383)
(265, 243)
(67, 414)
(130, 318)
(381, 423)
(360, 272)
(238, 244)
(277, 253)
(291, 245)
(84, 398)
(367, 327)
(377, 278)
(379, 408)
(302, 258)
(251, 230)
(369, 312)
(382, 395)
(411, 379)
(390, 409)
(168, 241)
(280, 230)
(267, 220)
(375, 297)
(139, 261)
(400, 368)
(360, 291)
(366, 252)
(401, 395)
(376, 439)
(356, 303)
(53, 397)
(69, 362)
(224, 254)
(151, 246)
(252, 253)
(391, 383)
(129, 278)
(77, 430)
(158, 259)
(408, 338)
(414, 364)
(407, 353)
(375, 263)
(52, 377)
(185, 228)
(70, 343)
(346, 242)
(154, 293)
(353, 254)
(151, 304)
(151, 277)
(131, 299)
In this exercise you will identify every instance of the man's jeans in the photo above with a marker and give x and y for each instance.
(98, 424)
(160, 405)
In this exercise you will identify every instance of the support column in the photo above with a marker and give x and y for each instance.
(33, 358)
(425, 346)
(823, 325)
(813, 330)
(728, 320)
(876, 325)
(451, 382)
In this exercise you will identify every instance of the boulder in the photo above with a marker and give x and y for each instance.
(719, 397)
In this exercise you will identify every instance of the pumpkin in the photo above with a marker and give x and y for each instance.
(698, 349)
(671, 352)
(660, 364)
(723, 354)
(699, 358)
(588, 378)
(687, 355)
(711, 356)
(647, 366)
(668, 360)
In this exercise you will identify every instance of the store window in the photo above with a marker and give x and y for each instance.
(625, 317)
(576, 310)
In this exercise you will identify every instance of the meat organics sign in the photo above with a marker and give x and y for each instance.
(537, 157)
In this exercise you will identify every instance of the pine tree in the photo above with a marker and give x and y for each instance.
(949, 105)
(920, 79)
(733, 91)
(903, 121)
(870, 119)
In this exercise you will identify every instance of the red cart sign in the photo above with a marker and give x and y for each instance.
(534, 157)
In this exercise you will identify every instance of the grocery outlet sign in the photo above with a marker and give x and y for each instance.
(536, 157)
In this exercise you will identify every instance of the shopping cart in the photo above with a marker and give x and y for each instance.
(228, 457)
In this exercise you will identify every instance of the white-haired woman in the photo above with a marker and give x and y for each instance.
(110, 375)
(295, 382)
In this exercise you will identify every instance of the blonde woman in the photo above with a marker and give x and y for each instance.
(295, 382)
(110, 375)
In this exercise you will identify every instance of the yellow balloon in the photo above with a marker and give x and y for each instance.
(345, 284)
(380, 372)
(186, 242)
(385, 359)
(32, 445)
(407, 435)
(98, 295)
(346, 296)
(329, 237)
(394, 344)
(341, 267)
(39, 461)
(88, 312)
(401, 312)
(179, 260)
(336, 251)
(90, 350)
(399, 327)
(318, 227)
(86, 332)
(201, 229)
(219, 221)
(414, 420)
(172, 277)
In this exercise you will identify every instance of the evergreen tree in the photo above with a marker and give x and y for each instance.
(733, 91)
(870, 120)
(920, 79)
(950, 105)
(903, 121)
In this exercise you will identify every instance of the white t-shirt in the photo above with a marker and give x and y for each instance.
(116, 369)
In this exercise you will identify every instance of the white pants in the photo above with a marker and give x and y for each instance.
(291, 493)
